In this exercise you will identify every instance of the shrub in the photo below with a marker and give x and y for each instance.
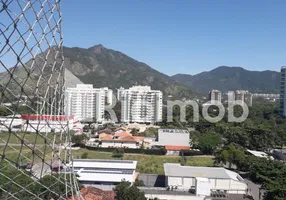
(118, 153)
(84, 155)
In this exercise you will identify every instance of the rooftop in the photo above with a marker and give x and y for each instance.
(179, 131)
(260, 154)
(104, 164)
(174, 169)
(176, 148)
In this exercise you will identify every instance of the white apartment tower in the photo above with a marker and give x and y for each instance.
(141, 104)
(87, 103)
(215, 96)
(283, 91)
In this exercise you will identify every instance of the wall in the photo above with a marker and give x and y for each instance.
(234, 187)
(106, 144)
(173, 197)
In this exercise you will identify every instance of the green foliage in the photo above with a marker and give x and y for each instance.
(4, 111)
(159, 151)
(22, 178)
(231, 155)
(84, 155)
(208, 143)
(134, 132)
(124, 191)
(139, 183)
(78, 140)
(118, 153)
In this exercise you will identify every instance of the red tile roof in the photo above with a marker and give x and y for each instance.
(123, 134)
(92, 193)
(176, 148)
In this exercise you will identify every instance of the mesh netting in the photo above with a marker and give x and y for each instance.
(35, 153)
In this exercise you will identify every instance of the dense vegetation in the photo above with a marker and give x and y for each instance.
(270, 174)
(22, 179)
(232, 78)
(262, 130)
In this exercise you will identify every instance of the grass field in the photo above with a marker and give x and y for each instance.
(30, 137)
(149, 164)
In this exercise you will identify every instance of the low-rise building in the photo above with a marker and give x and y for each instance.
(259, 154)
(204, 180)
(104, 174)
(174, 140)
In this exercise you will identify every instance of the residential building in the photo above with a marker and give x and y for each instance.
(141, 104)
(203, 180)
(174, 140)
(87, 103)
(244, 96)
(104, 174)
(120, 140)
(283, 91)
(215, 96)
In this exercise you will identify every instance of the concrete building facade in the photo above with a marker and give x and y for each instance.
(141, 104)
(87, 103)
(204, 180)
(214, 96)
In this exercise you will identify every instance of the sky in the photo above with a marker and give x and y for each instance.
(182, 36)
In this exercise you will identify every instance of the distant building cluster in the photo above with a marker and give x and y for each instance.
(215, 96)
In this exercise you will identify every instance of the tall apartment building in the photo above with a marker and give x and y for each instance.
(86, 102)
(214, 96)
(244, 95)
(283, 92)
(240, 95)
(141, 104)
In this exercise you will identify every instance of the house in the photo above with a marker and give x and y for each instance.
(121, 129)
(92, 193)
(104, 174)
(124, 141)
(259, 154)
(204, 180)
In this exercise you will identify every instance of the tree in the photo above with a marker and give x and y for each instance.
(208, 143)
(134, 132)
(194, 137)
(231, 155)
(118, 153)
(78, 140)
(124, 191)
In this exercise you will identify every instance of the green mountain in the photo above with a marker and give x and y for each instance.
(232, 78)
(97, 65)
(104, 67)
